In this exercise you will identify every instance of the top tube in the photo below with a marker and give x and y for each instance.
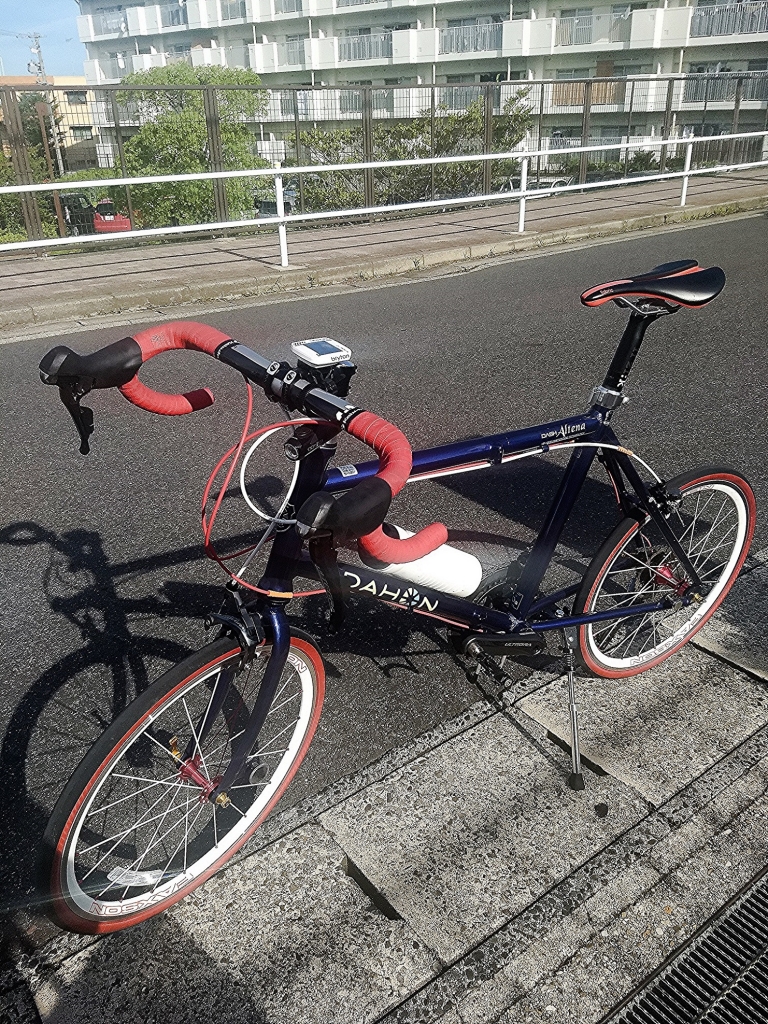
(474, 452)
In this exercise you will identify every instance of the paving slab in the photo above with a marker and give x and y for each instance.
(462, 839)
(739, 632)
(285, 937)
(658, 730)
(621, 954)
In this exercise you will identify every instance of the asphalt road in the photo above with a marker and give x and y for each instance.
(105, 582)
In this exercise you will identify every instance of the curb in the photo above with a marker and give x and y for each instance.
(289, 281)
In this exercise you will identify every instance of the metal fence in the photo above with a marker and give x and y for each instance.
(587, 130)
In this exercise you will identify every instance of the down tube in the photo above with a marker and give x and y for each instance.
(433, 604)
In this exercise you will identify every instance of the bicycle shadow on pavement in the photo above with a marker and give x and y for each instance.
(71, 703)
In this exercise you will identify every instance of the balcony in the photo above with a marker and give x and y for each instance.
(292, 53)
(375, 46)
(730, 19)
(470, 38)
(594, 29)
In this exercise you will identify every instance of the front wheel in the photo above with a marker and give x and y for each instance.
(714, 523)
(133, 832)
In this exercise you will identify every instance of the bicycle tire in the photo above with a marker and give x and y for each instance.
(113, 793)
(636, 565)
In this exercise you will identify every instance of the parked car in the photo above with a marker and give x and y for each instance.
(106, 218)
(78, 213)
(83, 218)
(268, 207)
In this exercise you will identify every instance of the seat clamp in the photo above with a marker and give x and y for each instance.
(607, 398)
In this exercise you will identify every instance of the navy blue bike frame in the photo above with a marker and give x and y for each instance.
(476, 454)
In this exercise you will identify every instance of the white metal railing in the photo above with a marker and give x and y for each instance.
(574, 31)
(109, 23)
(729, 19)
(372, 47)
(232, 10)
(173, 15)
(470, 38)
(291, 52)
(522, 195)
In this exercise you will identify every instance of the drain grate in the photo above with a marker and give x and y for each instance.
(720, 977)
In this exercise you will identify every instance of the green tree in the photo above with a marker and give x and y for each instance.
(173, 138)
(455, 132)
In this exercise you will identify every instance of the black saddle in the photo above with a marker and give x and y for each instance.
(683, 283)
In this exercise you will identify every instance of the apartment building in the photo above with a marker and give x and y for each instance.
(408, 42)
(76, 135)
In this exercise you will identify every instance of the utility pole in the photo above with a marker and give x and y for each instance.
(37, 67)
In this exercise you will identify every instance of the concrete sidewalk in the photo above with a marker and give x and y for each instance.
(68, 289)
(503, 896)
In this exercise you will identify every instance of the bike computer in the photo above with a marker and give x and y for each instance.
(320, 352)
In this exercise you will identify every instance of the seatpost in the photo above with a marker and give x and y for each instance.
(629, 346)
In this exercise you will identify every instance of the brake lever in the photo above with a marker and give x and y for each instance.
(70, 394)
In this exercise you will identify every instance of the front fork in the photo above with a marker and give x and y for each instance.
(216, 789)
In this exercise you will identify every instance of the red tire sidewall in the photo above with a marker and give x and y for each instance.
(98, 926)
(600, 670)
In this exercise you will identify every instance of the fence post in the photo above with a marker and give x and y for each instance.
(432, 145)
(629, 128)
(297, 132)
(688, 153)
(584, 157)
(367, 109)
(281, 230)
(213, 127)
(667, 127)
(523, 190)
(736, 112)
(539, 145)
(42, 110)
(487, 135)
(20, 160)
(121, 153)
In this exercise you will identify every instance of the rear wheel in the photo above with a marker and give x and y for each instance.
(133, 832)
(714, 523)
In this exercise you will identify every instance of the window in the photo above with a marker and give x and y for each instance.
(82, 132)
(76, 99)
(232, 9)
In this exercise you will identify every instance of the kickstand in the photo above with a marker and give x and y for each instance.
(575, 779)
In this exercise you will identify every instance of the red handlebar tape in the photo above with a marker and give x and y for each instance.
(153, 341)
(395, 462)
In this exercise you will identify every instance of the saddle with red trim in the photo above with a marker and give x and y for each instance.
(683, 283)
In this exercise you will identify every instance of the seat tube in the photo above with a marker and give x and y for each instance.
(541, 554)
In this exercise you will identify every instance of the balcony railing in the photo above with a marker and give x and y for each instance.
(574, 31)
(470, 38)
(730, 19)
(232, 10)
(110, 23)
(620, 27)
(710, 90)
(370, 47)
(173, 16)
(287, 6)
(291, 52)
(354, 3)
